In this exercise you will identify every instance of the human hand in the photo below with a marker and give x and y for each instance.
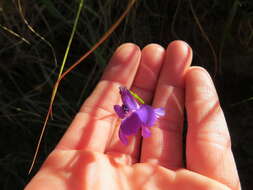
(91, 156)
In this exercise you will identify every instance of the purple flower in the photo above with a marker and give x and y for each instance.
(135, 116)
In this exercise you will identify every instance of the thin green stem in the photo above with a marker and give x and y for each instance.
(57, 84)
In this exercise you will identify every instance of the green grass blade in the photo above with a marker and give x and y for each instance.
(242, 102)
(57, 83)
(68, 48)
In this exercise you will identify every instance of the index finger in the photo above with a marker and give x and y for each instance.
(93, 125)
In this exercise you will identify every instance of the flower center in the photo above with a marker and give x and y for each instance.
(125, 108)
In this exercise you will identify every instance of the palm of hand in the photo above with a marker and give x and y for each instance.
(93, 170)
(90, 155)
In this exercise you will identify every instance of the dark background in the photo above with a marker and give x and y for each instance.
(220, 33)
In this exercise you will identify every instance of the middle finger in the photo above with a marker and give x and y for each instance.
(144, 85)
(164, 147)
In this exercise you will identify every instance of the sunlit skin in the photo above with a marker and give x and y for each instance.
(90, 155)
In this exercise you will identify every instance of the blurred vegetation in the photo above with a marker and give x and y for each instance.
(220, 33)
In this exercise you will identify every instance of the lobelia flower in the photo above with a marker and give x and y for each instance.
(135, 116)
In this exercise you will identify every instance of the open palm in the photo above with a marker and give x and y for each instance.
(91, 156)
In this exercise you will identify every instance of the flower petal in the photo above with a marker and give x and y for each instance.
(123, 138)
(128, 99)
(131, 124)
(120, 112)
(159, 112)
(147, 115)
(145, 132)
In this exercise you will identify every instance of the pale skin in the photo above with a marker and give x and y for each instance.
(91, 156)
